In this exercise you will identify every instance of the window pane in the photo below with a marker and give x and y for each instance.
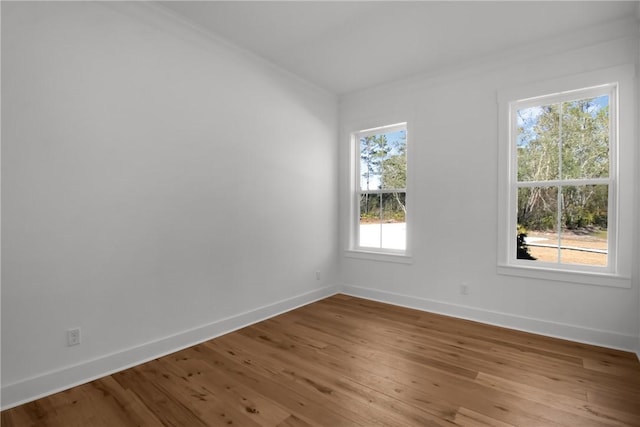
(394, 163)
(537, 235)
(370, 208)
(583, 238)
(585, 138)
(370, 221)
(537, 141)
(394, 227)
(383, 161)
(394, 207)
(371, 155)
(383, 221)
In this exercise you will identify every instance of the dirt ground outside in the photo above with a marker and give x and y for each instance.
(392, 235)
(572, 242)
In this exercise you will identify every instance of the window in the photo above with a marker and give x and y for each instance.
(380, 190)
(563, 182)
(562, 185)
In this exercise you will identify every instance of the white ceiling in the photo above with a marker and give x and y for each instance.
(345, 46)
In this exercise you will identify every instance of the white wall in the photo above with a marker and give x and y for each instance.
(638, 189)
(453, 141)
(158, 187)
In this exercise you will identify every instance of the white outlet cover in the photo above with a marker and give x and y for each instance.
(73, 337)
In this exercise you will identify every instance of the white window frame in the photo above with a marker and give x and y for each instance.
(620, 82)
(355, 250)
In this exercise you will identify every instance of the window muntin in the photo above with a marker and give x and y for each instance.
(563, 178)
(380, 197)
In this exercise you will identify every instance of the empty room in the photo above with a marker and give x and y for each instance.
(320, 213)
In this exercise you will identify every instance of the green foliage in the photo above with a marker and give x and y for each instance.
(568, 140)
(382, 207)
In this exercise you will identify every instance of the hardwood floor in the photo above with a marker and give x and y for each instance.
(346, 361)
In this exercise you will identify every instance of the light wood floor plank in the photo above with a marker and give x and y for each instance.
(345, 361)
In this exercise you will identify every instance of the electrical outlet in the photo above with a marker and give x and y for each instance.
(317, 275)
(73, 337)
(464, 289)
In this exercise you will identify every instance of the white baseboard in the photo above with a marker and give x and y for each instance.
(52, 382)
(537, 326)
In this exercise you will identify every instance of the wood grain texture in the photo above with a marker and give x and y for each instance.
(345, 361)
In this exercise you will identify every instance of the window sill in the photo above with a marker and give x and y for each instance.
(585, 278)
(378, 256)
